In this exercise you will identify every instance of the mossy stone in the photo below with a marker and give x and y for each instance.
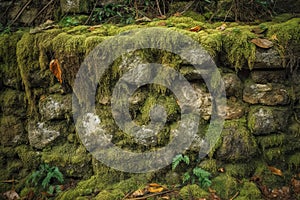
(192, 192)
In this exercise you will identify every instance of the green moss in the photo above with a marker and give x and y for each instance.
(294, 160)
(194, 15)
(249, 191)
(30, 158)
(225, 185)
(239, 50)
(108, 195)
(209, 165)
(192, 192)
(239, 170)
(274, 154)
(273, 140)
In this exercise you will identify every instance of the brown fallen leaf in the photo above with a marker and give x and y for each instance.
(162, 24)
(56, 70)
(162, 17)
(275, 171)
(143, 19)
(195, 29)
(222, 27)
(11, 195)
(138, 193)
(296, 185)
(262, 43)
(154, 185)
(177, 14)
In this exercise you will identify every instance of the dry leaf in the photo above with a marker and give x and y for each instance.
(275, 171)
(195, 29)
(177, 14)
(222, 170)
(143, 19)
(222, 27)
(154, 185)
(274, 37)
(11, 195)
(262, 43)
(56, 70)
(138, 193)
(155, 189)
(161, 23)
(162, 17)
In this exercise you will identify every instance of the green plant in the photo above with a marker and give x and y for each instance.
(195, 175)
(45, 179)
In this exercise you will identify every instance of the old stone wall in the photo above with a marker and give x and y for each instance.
(262, 115)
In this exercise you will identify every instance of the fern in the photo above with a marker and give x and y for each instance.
(179, 158)
(186, 177)
(203, 176)
(43, 177)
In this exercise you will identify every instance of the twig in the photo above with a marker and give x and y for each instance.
(88, 19)
(235, 196)
(158, 8)
(127, 195)
(150, 195)
(20, 12)
(187, 6)
(41, 11)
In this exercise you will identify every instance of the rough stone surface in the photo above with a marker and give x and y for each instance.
(233, 85)
(266, 94)
(237, 143)
(74, 6)
(234, 109)
(264, 76)
(13, 102)
(11, 130)
(55, 106)
(41, 134)
(204, 100)
(265, 120)
(267, 58)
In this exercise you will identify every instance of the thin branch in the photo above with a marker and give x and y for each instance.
(42, 10)
(20, 12)
(88, 19)
(158, 8)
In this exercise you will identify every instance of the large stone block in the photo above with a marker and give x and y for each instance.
(265, 120)
(266, 94)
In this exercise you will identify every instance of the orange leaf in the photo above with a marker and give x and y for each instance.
(155, 189)
(177, 14)
(222, 27)
(154, 185)
(274, 37)
(195, 29)
(56, 70)
(275, 171)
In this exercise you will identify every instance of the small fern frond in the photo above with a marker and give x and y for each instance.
(176, 160)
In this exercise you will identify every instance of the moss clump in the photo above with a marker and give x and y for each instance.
(239, 50)
(273, 140)
(294, 160)
(108, 195)
(225, 185)
(192, 192)
(73, 160)
(249, 191)
(30, 158)
(239, 170)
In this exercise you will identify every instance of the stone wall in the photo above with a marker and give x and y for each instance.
(262, 114)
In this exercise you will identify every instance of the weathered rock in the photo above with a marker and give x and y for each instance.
(11, 130)
(55, 106)
(266, 94)
(263, 76)
(12, 102)
(74, 6)
(265, 120)
(41, 134)
(234, 109)
(204, 100)
(233, 85)
(269, 58)
(237, 143)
